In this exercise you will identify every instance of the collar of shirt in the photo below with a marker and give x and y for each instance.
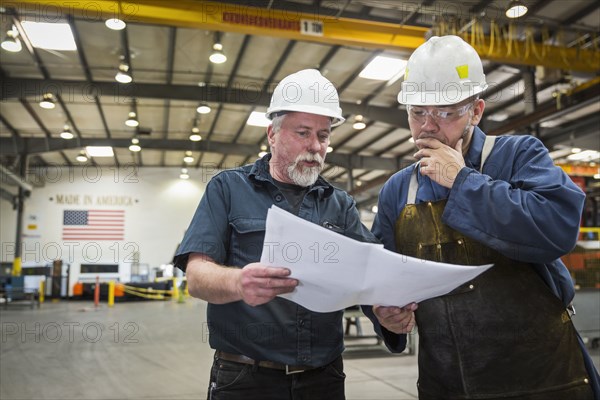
(259, 175)
(473, 157)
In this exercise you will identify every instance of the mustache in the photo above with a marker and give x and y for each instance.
(310, 157)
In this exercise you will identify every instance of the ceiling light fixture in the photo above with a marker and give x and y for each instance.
(585, 155)
(132, 120)
(135, 145)
(99, 151)
(66, 133)
(195, 136)
(263, 151)
(123, 76)
(359, 123)
(184, 174)
(516, 9)
(203, 108)
(81, 157)
(188, 157)
(11, 42)
(115, 24)
(329, 149)
(257, 118)
(48, 101)
(217, 56)
(50, 35)
(384, 68)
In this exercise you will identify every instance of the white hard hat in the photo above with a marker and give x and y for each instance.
(442, 71)
(306, 91)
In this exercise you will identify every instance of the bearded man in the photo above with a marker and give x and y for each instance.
(267, 347)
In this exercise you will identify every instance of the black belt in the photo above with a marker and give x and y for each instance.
(238, 358)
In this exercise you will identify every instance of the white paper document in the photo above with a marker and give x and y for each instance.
(336, 272)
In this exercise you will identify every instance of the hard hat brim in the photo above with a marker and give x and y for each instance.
(336, 119)
(448, 97)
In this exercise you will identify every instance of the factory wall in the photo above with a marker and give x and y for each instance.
(148, 211)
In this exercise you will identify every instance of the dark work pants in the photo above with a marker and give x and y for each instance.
(234, 381)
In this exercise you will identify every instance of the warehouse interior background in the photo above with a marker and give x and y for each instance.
(140, 102)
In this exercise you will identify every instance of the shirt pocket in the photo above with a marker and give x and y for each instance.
(247, 238)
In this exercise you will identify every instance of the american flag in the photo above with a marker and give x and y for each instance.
(94, 225)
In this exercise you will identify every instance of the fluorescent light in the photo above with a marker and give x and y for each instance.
(257, 118)
(383, 68)
(99, 151)
(550, 123)
(585, 155)
(49, 36)
(115, 24)
(498, 117)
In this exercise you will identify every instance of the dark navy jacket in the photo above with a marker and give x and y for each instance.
(521, 205)
(229, 226)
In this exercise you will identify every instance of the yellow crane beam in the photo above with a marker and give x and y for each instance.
(290, 24)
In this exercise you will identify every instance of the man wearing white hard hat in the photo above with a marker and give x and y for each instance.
(268, 347)
(475, 199)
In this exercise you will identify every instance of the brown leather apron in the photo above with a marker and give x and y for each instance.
(502, 335)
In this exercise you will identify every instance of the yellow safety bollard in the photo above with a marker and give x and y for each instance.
(16, 268)
(42, 291)
(111, 293)
(175, 290)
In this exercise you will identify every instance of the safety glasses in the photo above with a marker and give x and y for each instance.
(439, 115)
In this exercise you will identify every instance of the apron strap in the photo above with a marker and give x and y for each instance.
(488, 145)
(411, 197)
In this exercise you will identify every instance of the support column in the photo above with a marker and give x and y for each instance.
(530, 97)
(16, 269)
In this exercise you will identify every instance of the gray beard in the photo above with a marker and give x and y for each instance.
(303, 178)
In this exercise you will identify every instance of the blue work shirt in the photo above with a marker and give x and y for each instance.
(534, 208)
(521, 205)
(229, 227)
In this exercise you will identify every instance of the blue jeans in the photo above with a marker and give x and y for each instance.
(235, 381)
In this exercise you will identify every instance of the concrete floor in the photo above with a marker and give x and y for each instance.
(149, 350)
